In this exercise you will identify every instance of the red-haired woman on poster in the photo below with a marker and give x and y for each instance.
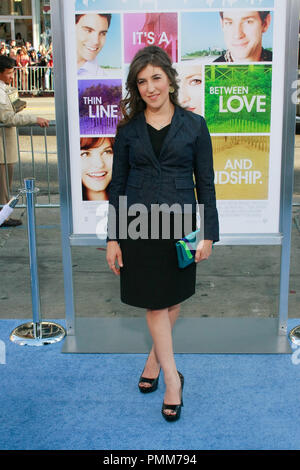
(96, 155)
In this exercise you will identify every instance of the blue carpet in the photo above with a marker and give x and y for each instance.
(55, 401)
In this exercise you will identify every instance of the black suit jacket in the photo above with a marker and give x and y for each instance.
(146, 179)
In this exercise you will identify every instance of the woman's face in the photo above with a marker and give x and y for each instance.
(190, 89)
(96, 166)
(153, 85)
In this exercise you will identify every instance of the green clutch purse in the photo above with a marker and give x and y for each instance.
(186, 249)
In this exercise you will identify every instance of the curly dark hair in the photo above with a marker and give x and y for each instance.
(132, 104)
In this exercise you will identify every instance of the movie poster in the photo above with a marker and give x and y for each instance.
(226, 54)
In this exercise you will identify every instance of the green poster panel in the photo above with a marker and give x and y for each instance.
(238, 98)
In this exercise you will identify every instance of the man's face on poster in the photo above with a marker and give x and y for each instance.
(91, 31)
(243, 32)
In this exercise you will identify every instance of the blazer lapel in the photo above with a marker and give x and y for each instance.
(176, 123)
(145, 139)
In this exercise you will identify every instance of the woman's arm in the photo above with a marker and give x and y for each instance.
(117, 185)
(204, 176)
(116, 188)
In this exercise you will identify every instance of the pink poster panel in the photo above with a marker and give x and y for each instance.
(150, 29)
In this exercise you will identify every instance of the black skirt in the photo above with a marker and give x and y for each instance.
(150, 277)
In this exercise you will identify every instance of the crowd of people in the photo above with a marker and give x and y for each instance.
(33, 68)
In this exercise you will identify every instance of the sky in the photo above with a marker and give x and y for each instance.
(111, 52)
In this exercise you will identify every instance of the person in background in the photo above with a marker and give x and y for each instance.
(13, 53)
(12, 43)
(19, 40)
(42, 63)
(48, 75)
(33, 58)
(4, 46)
(33, 64)
(3, 50)
(28, 47)
(22, 62)
(9, 117)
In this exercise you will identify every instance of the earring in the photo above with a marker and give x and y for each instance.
(171, 89)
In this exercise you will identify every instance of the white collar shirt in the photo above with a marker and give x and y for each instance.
(91, 69)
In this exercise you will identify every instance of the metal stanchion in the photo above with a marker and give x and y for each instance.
(294, 335)
(35, 333)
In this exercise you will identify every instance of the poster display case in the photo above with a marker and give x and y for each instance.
(236, 62)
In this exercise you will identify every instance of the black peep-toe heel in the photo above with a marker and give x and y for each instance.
(176, 408)
(153, 384)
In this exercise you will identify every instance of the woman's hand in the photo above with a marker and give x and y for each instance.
(113, 253)
(203, 251)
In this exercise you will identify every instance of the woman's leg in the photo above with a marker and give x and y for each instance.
(160, 327)
(152, 365)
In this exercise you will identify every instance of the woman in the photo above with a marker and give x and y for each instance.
(3, 50)
(48, 75)
(33, 63)
(96, 167)
(22, 62)
(158, 147)
(42, 64)
(13, 53)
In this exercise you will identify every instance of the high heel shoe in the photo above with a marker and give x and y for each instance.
(153, 384)
(176, 408)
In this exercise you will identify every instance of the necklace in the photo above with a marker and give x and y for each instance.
(157, 124)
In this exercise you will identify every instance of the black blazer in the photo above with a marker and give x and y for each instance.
(144, 178)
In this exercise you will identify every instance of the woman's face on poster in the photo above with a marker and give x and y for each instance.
(190, 88)
(96, 166)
